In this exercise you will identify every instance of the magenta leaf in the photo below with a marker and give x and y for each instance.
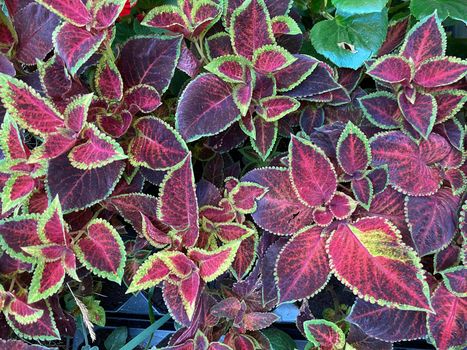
(318, 82)
(396, 33)
(214, 263)
(177, 205)
(218, 45)
(168, 17)
(275, 107)
(324, 334)
(250, 28)
(18, 232)
(55, 79)
(353, 150)
(28, 108)
(449, 103)
(342, 206)
(156, 145)
(76, 45)
(229, 68)
(265, 137)
(312, 174)
(149, 60)
(278, 211)
(386, 323)
(446, 258)
(244, 196)
(105, 12)
(6, 67)
(446, 325)
(34, 26)
(245, 257)
(98, 150)
(142, 98)
(432, 220)
(153, 271)
(425, 40)
(421, 114)
(271, 58)
(302, 267)
(102, 251)
(44, 329)
(455, 280)
(291, 76)
(73, 11)
(406, 161)
(381, 109)
(108, 80)
(381, 255)
(440, 71)
(363, 191)
(205, 108)
(392, 69)
(78, 189)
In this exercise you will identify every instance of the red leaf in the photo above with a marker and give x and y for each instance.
(18, 232)
(324, 334)
(446, 326)
(388, 324)
(177, 205)
(391, 69)
(102, 250)
(432, 220)
(312, 174)
(265, 137)
(108, 80)
(302, 267)
(76, 45)
(142, 98)
(251, 28)
(425, 40)
(440, 72)
(353, 150)
(381, 109)
(73, 11)
(278, 211)
(371, 249)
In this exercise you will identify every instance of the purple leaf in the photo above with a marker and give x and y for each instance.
(206, 108)
(73, 11)
(265, 137)
(381, 109)
(421, 113)
(391, 69)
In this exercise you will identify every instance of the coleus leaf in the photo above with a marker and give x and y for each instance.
(342, 206)
(396, 33)
(108, 81)
(449, 102)
(98, 150)
(311, 173)
(360, 340)
(432, 220)
(16, 190)
(142, 98)
(47, 279)
(151, 54)
(102, 250)
(382, 256)
(284, 25)
(12, 141)
(204, 15)
(153, 271)
(55, 79)
(189, 290)
(76, 45)
(292, 75)
(230, 68)
(153, 234)
(6, 67)
(381, 109)
(28, 108)
(168, 17)
(214, 263)
(363, 191)
(242, 93)
(76, 112)
(446, 325)
(8, 36)
(78, 189)
(440, 71)
(446, 258)
(319, 81)
(278, 211)
(392, 69)
(245, 257)
(177, 205)
(265, 137)
(51, 227)
(218, 45)
(44, 329)
(105, 12)
(73, 11)
(353, 150)
(302, 267)
(386, 323)
(271, 58)
(421, 114)
(275, 107)
(18, 232)
(34, 26)
(425, 40)
(254, 321)
(324, 334)
(244, 196)
(156, 145)
(250, 28)
(406, 161)
(455, 280)
(206, 108)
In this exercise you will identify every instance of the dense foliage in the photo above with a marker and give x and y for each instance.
(237, 154)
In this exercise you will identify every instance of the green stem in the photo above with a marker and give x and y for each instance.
(146, 333)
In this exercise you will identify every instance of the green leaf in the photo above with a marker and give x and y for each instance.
(349, 40)
(456, 9)
(279, 340)
(116, 339)
(360, 6)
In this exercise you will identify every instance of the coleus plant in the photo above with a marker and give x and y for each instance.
(206, 148)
